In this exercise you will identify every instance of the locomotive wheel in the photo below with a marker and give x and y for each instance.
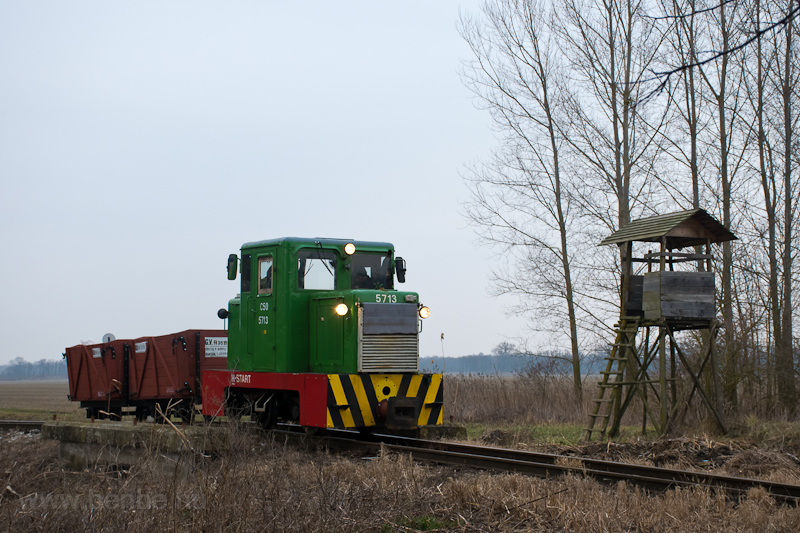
(269, 417)
(234, 414)
(313, 431)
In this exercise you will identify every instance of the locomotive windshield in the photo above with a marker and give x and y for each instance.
(316, 269)
(370, 271)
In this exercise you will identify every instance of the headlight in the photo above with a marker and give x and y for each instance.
(349, 248)
(424, 312)
(341, 309)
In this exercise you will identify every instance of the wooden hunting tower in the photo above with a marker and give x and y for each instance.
(671, 291)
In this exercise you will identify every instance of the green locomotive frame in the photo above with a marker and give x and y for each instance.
(319, 334)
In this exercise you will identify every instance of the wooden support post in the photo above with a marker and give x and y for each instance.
(616, 393)
(662, 373)
(645, 364)
(673, 372)
(698, 386)
(639, 383)
(712, 346)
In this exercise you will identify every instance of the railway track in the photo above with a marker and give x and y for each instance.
(547, 465)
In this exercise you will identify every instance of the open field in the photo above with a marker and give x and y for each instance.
(36, 400)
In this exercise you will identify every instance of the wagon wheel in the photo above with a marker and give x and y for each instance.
(161, 413)
(185, 416)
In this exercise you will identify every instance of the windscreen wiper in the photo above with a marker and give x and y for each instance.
(322, 258)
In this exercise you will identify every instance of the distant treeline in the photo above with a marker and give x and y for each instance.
(507, 364)
(474, 364)
(20, 369)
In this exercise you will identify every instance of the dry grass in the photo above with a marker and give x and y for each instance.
(513, 399)
(526, 410)
(264, 485)
(261, 484)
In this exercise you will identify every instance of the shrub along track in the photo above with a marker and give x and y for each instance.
(540, 464)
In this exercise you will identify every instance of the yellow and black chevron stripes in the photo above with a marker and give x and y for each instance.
(353, 399)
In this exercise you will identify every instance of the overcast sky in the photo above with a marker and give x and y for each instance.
(142, 142)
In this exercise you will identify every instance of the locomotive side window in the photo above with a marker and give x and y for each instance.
(370, 271)
(265, 275)
(316, 269)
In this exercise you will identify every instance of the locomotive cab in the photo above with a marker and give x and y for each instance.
(318, 334)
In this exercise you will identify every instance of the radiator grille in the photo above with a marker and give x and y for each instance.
(389, 353)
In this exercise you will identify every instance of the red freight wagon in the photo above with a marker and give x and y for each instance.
(96, 372)
(144, 373)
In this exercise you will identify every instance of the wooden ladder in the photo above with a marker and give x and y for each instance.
(609, 395)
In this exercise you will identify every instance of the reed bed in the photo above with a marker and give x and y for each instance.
(513, 399)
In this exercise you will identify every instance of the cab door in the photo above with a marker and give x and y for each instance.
(240, 353)
(263, 327)
(327, 335)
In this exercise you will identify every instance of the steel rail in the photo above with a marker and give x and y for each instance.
(551, 465)
(615, 470)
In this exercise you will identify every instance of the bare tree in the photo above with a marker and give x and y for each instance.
(610, 48)
(682, 139)
(775, 89)
(767, 71)
(757, 84)
(788, 77)
(519, 200)
(724, 81)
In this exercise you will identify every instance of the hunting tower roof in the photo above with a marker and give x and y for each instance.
(682, 229)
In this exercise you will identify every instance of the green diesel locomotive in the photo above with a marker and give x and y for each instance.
(319, 335)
